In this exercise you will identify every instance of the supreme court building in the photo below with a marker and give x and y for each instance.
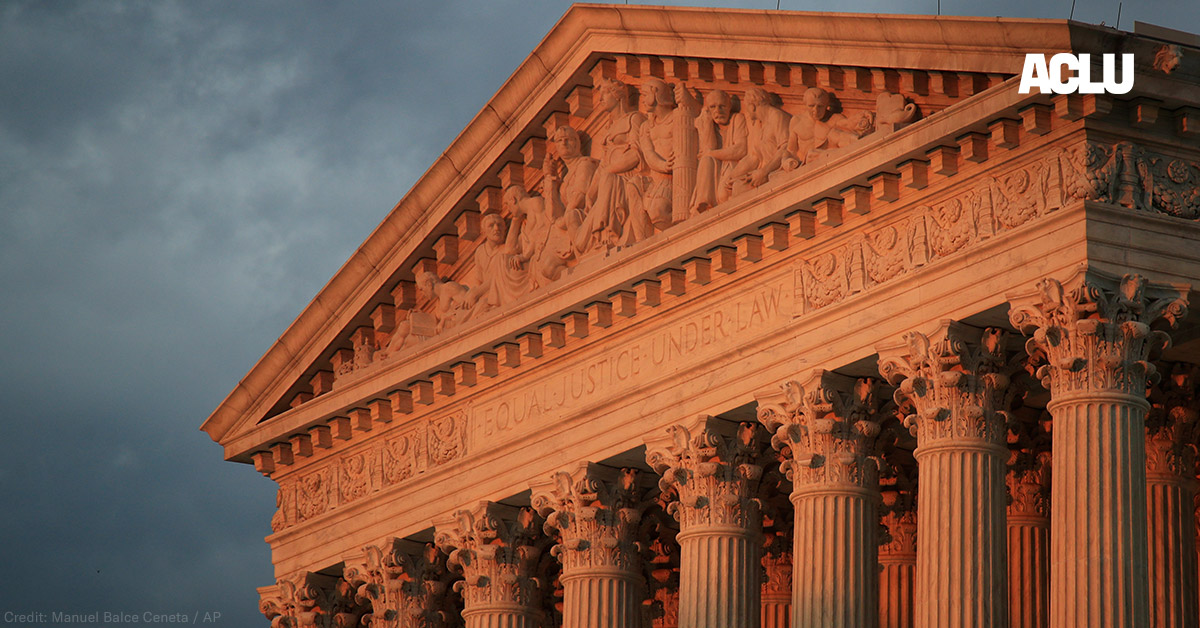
(728, 319)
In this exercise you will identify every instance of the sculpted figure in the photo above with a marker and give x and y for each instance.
(657, 144)
(817, 129)
(723, 138)
(571, 172)
(501, 275)
(451, 300)
(545, 240)
(616, 189)
(766, 141)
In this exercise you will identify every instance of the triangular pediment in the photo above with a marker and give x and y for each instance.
(435, 275)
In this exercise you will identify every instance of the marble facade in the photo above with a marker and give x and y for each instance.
(719, 318)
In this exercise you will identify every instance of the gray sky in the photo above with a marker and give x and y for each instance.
(177, 181)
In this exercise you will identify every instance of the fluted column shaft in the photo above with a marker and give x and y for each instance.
(500, 616)
(828, 424)
(1028, 571)
(835, 573)
(1098, 511)
(953, 381)
(719, 577)
(1029, 528)
(714, 467)
(1096, 334)
(961, 554)
(777, 585)
(898, 570)
(776, 610)
(1171, 531)
(601, 598)
(595, 512)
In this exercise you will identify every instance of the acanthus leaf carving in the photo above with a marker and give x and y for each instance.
(714, 467)
(1173, 424)
(596, 513)
(307, 600)
(955, 381)
(496, 548)
(1095, 331)
(827, 425)
(405, 583)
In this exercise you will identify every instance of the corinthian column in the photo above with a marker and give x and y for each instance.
(777, 557)
(953, 383)
(1095, 333)
(1029, 531)
(595, 511)
(714, 467)
(897, 567)
(496, 549)
(828, 423)
(405, 582)
(898, 519)
(1171, 439)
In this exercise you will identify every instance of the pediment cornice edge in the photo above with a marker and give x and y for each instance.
(584, 31)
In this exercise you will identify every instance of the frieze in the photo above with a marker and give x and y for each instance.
(993, 205)
(697, 337)
(1124, 173)
(392, 460)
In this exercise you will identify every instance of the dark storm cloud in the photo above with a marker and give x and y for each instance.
(177, 180)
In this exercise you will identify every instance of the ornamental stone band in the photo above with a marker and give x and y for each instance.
(759, 319)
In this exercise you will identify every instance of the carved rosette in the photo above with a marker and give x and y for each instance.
(954, 382)
(1095, 331)
(406, 584)
(496, 549)
(595, 512)
(714, 468)
(829, 426)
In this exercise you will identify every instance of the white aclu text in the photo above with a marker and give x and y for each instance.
(1048, 77)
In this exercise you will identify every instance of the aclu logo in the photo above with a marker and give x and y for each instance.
(1049, 77)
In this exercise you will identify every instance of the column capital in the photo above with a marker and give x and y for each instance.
(496, 549)
(828, 423)
(1028, 478)
(307, 600)
(401, 579)
(1095, 329)
(955, 380)
(596, 511)
(1173, 422)
(714, 465)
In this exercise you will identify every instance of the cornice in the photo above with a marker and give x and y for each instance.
(979, 44)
